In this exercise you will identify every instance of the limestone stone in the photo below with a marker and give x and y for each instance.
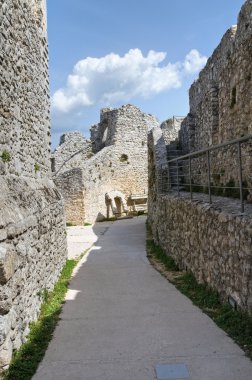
(32, 223)
(73, 151)
(8, 260)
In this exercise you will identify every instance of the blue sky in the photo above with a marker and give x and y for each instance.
(142, 52)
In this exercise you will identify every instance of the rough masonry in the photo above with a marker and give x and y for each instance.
(32, 225)
(113, 162)
(212, 241)
(221, 102)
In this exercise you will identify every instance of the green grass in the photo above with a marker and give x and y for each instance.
(87, 224)
(154, 251)
(26, 360)
(236, 323)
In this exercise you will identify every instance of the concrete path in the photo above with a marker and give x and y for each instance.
(80, 238)
(122, 319)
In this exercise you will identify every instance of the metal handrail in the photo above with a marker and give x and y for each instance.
(214, 147)
(172, 167)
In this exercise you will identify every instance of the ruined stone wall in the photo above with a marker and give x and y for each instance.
(221, 99)
(122, 164)
(119, 163)
(103, 134)
(114, 124)
(71, 186)
(170, 128)
(73, 151)
(32, 225)
(221, 108)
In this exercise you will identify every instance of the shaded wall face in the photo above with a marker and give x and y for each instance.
(102, 134)
(235, 94)
(24, 100)
(73, 151)
(70, 184)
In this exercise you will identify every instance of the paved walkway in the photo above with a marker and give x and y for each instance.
(122, 319)
(80, 238)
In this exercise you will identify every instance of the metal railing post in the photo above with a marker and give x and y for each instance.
(177, 177)
(190, 177)
(209, 176)
(173, 164)
(162, 179)
(168, 177)
(240, 175)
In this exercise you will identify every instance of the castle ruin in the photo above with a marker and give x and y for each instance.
(32, 224)
(108, 175)
(98, 178)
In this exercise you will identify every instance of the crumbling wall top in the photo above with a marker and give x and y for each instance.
(73, 151)
(116, 126)
(209, 75)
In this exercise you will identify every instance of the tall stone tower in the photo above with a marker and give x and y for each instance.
(32, 236)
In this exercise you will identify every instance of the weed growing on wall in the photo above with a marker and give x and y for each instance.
(26, 360)
(6, 156)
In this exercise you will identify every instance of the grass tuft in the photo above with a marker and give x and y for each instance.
(157, 252)
(236, 323)
(70, 224)
(26, 360)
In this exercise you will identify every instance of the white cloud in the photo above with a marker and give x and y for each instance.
(113, 78)
(194, 62)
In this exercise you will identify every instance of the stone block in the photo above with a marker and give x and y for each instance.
(8, 258)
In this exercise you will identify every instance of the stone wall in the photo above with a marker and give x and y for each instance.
(24, 85)
(117, 124)
(32, 225)
(211, 241)
(214, 244)
(73, 151)
(71, 186)
(170, 128)
(221, 98)
(119, 164)
(221, 110)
